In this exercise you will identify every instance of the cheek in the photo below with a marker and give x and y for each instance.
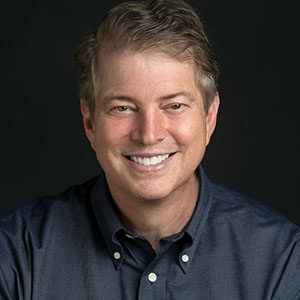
(111, 132)
(189, 131)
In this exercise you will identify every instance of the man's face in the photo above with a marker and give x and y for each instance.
(149, 130)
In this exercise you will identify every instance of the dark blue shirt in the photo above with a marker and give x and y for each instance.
(73, 246)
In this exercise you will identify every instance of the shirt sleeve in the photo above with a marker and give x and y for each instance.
(14, 259)
(6, 276)
(289, 285)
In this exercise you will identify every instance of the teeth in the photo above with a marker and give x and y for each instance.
(147, 161)
(153, 160)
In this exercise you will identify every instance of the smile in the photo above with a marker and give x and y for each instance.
(149, 161)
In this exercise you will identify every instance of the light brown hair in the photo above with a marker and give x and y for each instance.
(172, 26)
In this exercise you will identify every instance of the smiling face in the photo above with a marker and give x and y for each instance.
(149, 130)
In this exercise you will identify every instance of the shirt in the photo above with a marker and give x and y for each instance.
(74, 246)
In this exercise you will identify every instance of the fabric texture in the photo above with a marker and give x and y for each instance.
(73, 246)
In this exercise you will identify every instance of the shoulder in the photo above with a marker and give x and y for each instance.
(262, 239)
(35, 229)
(240, 208)
(252, 224)
(32, 220)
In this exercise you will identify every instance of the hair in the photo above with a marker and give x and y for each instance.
(171, 26)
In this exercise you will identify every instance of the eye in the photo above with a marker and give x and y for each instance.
(121, 111)
(121, 108)
(176, 106)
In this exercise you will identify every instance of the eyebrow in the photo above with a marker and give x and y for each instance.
(185, 94)
(182, 93)
(110, 98)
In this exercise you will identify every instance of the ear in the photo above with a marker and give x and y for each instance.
(211, 117)
(88, 123)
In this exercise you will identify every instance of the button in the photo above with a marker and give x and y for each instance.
(185, 258)
(152, 277)
(129, 236)
(117, 255)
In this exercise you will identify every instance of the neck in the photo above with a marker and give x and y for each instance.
(156, 219)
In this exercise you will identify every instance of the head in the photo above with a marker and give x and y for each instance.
(149, 98)
(171, 26)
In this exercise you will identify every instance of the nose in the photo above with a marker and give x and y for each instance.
(150, 127)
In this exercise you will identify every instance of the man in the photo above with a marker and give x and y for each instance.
(151, 225)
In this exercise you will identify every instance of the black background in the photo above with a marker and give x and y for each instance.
(255, 149)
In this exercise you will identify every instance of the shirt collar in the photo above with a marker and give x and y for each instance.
(107, 219)
(110, 224)
(197, 222)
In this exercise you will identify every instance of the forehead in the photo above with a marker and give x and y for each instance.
(149, 71)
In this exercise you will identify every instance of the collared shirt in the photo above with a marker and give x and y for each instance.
(74, 246)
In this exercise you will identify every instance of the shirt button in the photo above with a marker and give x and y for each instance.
(117, 255)
(152, 277)
(185, 258)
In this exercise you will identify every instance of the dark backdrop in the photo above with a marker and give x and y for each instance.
(255, 149)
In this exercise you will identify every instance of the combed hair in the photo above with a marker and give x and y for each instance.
(172, 26)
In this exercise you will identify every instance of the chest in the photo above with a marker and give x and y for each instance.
(90, 274)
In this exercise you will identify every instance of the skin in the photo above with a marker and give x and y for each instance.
(149, 104)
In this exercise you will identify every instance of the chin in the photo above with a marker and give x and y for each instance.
(153, 192)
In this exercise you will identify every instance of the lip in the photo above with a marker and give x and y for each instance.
(151, 168)
(148, 154)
